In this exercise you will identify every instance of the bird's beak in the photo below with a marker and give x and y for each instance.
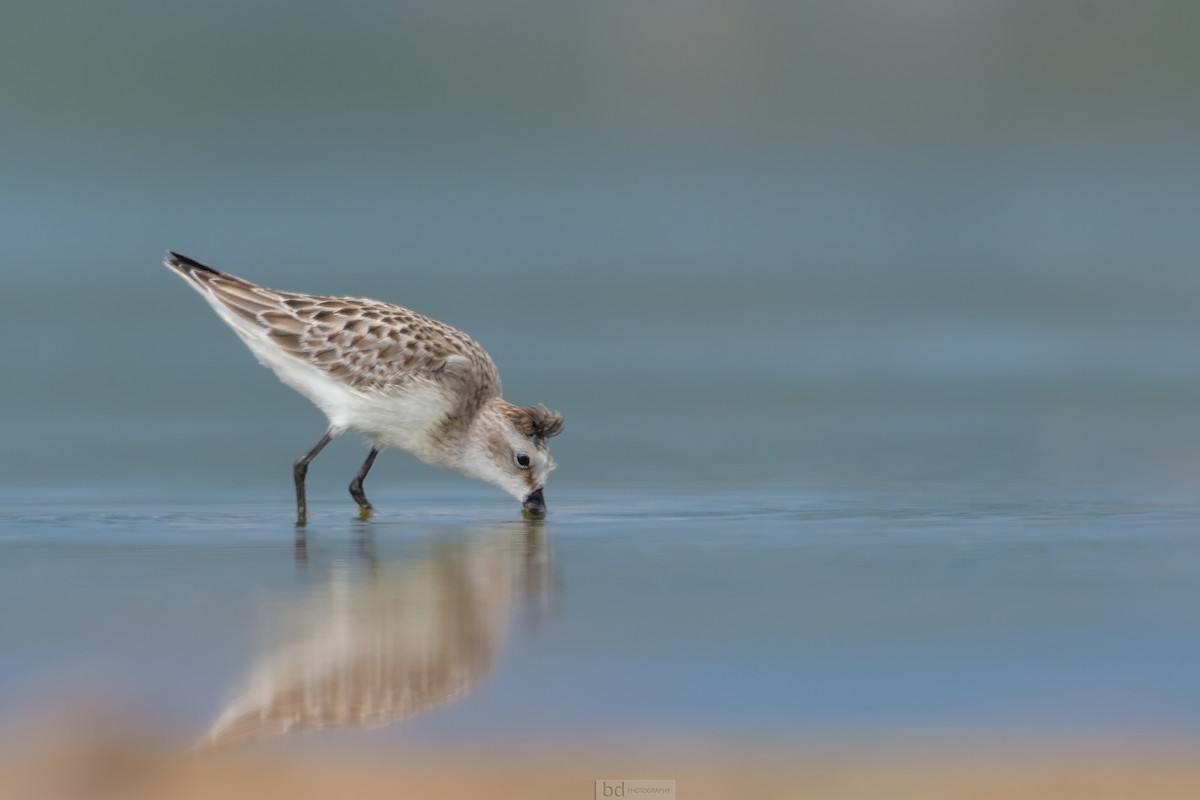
(534, 505)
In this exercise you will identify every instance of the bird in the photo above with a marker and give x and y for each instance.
(392, 376)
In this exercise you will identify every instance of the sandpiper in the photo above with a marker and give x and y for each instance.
(391, 375)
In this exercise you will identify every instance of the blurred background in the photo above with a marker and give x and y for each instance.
(756, 242)
(873, 324)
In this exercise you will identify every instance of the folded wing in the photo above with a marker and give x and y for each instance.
(368, 345)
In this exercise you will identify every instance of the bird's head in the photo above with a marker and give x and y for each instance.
(507, 448)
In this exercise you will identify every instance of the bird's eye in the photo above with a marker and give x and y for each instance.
(522, 461)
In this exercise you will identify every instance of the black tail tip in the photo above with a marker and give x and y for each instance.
(181, 262)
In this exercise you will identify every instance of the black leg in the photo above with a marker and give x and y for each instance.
(299, 470)
(356, 491)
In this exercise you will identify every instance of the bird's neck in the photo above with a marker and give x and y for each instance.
(451, 441)
(480, 439)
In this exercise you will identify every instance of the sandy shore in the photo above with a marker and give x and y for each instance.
(106, 768)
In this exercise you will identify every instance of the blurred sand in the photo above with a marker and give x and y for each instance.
(105, 768)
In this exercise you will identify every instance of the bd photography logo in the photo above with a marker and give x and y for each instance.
(637, 789)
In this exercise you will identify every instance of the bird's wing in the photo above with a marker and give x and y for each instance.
(368, 345)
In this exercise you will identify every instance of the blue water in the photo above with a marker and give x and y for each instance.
(719, 612)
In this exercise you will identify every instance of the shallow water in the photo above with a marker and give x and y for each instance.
(707, 613)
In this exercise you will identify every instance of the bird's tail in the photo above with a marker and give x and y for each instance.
(189, 267)
(237, 300)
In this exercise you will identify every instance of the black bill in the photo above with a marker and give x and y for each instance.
(534, 504)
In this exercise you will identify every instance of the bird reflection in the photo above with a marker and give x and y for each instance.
(378, 646)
